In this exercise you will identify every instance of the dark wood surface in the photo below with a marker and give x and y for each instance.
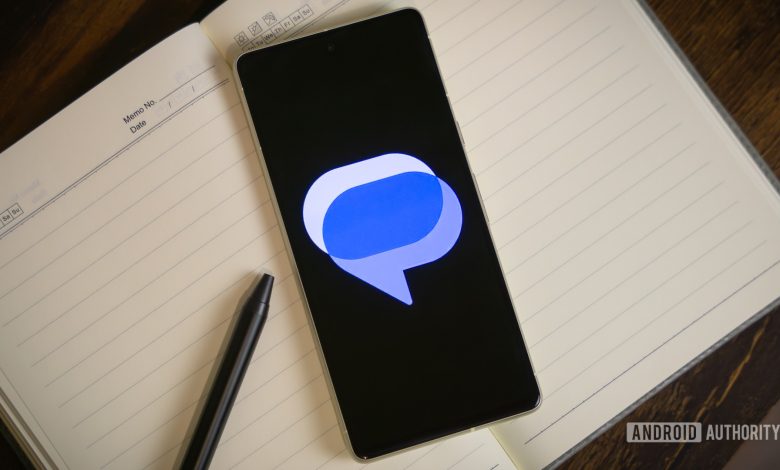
(54, 51)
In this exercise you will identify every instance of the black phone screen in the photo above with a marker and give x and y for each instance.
(398, 268)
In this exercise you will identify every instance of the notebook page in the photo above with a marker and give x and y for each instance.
(121, 270)
(634, 229)
(658, 237)
(48, 186)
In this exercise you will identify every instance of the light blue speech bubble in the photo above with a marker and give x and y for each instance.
(379, 217)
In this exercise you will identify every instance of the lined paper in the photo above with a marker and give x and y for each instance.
(633, 229)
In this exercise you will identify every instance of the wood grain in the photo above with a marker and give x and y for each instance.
(54, 51)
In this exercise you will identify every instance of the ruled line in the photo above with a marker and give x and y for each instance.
(303, 356)
(469, 454)
(136, 232)
(658, 317)
(169, 450)
(631, 276)
(195, 371)
(166, 271)
(561, 118)
(135, 444)
(201, 368)
(110, 341)
(93, 171)
(158, 458)
(330, 459)
(285, 429)
(605, 234)
(116, 216)
(645, 296)
(593, 154)
(482, 26)
(431, 449)
(433, 2)
(189, 406)
(114, 188)
(137, 261)
(503, 41)
(320, 436)
(227, 439)
(448, 20)
(647, 235)
(141, 379)
(538, 75)
(164, 333)
(541, 73)
(728, 237)
(626, 190)
(579, 193)
(707, 312)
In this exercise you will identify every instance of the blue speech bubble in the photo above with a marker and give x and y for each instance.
(379, 217)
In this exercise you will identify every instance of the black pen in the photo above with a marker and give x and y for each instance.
(232, 367)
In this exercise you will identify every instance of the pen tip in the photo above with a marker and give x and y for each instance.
(264, 288)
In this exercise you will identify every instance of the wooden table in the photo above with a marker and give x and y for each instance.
(53, 52)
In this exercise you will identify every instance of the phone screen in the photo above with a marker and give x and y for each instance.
(402, 280)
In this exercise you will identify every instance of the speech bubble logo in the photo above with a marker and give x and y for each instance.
(379, 217)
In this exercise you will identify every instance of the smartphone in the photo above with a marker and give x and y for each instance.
(385, 228)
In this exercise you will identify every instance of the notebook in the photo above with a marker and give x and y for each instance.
(636, 227)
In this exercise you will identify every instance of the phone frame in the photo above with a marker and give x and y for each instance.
(294, 266)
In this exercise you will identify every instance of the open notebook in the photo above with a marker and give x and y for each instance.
(634, 226)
